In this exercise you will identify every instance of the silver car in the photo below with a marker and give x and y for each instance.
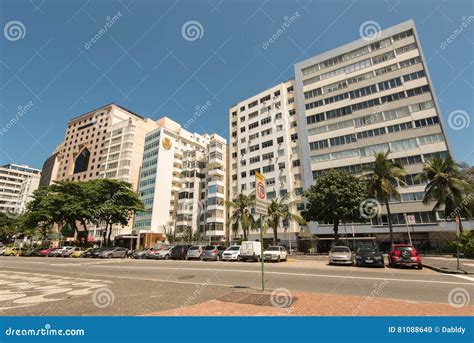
(194, 252)
(341, 255)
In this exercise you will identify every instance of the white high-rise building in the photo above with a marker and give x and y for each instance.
(265, 139)
(183, 182)
(17, 184)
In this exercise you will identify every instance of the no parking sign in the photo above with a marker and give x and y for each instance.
(261, 197)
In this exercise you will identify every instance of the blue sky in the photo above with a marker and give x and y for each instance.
(144, 63)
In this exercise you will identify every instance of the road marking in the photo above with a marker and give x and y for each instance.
(294, 274)
(463, 277)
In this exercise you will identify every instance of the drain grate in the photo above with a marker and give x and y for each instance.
(186, 277)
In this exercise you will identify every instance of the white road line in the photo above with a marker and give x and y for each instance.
(293, 274)
(463, 277)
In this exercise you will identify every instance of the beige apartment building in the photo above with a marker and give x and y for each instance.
(264, 132)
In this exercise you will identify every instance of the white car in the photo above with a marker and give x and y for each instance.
(250, 250)
(164, 254)
(275, 253)
(2, 250)
(341, 255)
(232, 253)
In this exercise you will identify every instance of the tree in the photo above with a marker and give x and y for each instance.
(114, 203)
(9, 226)
(335, 198)
(448, 186)
(383, 178)
(189, 235)
(241, 215)
(279, 210)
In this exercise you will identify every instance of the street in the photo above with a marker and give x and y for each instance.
(60, 286)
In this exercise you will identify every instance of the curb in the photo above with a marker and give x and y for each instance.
(445, 271)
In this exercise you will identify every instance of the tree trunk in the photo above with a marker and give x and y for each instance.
(84, 225)
(390, 226)
(109, 234)
(275, 234)
(461, 229)
(336, 232)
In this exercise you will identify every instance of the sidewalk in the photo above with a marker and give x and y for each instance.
(449, 265)
(316, 304)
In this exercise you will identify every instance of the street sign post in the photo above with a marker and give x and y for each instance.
(262, 210)
(410, 220)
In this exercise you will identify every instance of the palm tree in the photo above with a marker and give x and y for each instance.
(242, 215)
(278, 210)
(383, 178)
(448, 186)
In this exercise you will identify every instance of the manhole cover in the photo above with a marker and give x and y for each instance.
(259, 299)
(241, 286)
(185, 277)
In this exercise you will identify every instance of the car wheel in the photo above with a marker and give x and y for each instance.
(239, 259)
(279, 259)
(167, 257)
(218, 258)
(420, 266)
(109, 256)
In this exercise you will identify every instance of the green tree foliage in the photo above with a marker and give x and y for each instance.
(241, 215)
(280, 209)
(450, 187)
(335, 198)
(383, 178)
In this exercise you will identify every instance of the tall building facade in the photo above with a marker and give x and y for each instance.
(183, 182)
(264, 138)
(345, 105)
(104, 143)
(17, 184)
(369, 96)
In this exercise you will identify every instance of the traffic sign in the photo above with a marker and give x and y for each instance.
(411, 220)
(261, 195)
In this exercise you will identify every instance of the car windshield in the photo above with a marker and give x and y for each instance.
(234, 249)
(210, 247)
(404, 248)
(366, 250)
(273, 249)
(194, 248)
(340, 249)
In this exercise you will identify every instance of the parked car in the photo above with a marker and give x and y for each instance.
(250, 250)
(369, 256)
(80, 252)
(141, 253)
(232, 253)
(179, 252)
(2, 250)
(194, 252)
(154, 253)
(212, 252)
(340, 255)
(164, 253)
(12, 251)
(404, 255)
(275, 253)
(68, 251)
(44, 252)
(58, 252)
(90, 253)
(113, 252)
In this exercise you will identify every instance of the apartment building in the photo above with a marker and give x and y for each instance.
(104, 143)
(183, 182)
(264, 138)
(368, 96)
(17, 184)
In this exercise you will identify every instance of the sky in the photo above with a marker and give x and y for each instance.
(171, 58)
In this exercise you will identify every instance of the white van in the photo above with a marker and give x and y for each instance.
(250, 250)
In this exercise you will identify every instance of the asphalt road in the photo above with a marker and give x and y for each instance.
(65, 286)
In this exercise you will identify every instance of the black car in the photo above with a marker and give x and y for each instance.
(179, 252)
(369, 256)
(91, 253)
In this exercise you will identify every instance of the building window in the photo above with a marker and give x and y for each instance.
(82, 161)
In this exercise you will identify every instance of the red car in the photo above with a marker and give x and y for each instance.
(404, 255)
(45, 252)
